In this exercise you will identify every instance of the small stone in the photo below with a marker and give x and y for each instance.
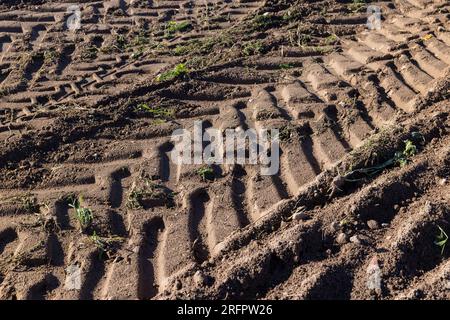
(443, 181)
(199, 278)
(418, 294)
(385, 225)
(218, 248)
(178, 285)
(299, 216)
(374, 276)
(341, 238)
(355, 239)
(372, 224)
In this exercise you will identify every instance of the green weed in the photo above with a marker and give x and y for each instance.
(178, 71)
(401, 158)
(441, 239)
(331, 39)
(84, 215)
(104, 245)
(120, 42)
(252, 48)
(156, 112)
(286, 66)
(265, 21)
(89, 53)
(141, 39)
(50, 56)
(356, 6)
(173, 27)
(30, 204)
(206, 173)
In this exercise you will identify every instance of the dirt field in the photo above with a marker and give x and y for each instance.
(91, 207)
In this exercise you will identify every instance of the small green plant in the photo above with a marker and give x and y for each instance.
(141, 39)
(134, 200)
(356, 5)
(89, 53)
(322, 49)
(146, 190)
(120, 42)
(199, 47)
(441, 239)
(50, 56)
(30, 203)
(176, 72)
(400, 158)
(104, 244)
(187, 47)
(265, 21)
(84, 215)
(286, 66)
(173, 27)
(157, 112)
(403, 157)
(331, 39)
(253, 47)
(206, 173)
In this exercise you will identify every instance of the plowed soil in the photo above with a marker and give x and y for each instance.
(89, 113)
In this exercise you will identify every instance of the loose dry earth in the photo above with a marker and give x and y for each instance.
(85, 113)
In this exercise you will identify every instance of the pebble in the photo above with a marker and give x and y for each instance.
(341, 238)
(355, 239)
(199, 278)
(178, 285)
(418, 294)
(372, 224)
(299, 216)
(443, 181)
(385, 225)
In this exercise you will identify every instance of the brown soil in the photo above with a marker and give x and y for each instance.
(345, 99)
